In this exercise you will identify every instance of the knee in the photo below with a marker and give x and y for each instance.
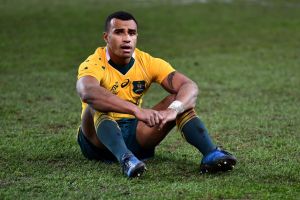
(87, 123)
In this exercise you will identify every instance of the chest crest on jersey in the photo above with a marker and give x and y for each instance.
(139, 86)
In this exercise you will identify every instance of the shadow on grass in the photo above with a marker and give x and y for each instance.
(71, 163)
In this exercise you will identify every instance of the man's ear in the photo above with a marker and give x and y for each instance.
(105, 36)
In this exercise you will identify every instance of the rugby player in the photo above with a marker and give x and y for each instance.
(111, 84)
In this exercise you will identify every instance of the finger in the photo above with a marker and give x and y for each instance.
(160, 116)
(148, 123)
(152, 121)
(162, 124)
(157, 120)
(147, 120)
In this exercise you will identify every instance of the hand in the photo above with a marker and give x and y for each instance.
(149, 116)
(167, 115)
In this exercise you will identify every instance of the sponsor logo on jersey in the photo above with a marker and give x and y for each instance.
(125, 83)
(139, 86)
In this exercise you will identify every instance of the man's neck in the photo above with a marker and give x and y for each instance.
(117, 60)
(120, 61)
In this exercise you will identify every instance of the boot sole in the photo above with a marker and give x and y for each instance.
(224, 164)
(137, 171)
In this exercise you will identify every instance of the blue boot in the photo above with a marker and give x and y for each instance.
(131, 166)
(217, 160)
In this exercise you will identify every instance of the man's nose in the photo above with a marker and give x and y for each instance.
(126, 38)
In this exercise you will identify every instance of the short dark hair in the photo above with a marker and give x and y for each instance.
(122, 15)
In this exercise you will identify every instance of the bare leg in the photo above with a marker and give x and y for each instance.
(88, 128)
(149, 137)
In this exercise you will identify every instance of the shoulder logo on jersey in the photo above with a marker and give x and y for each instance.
(139, 86)
(125, 83)
(114, 88)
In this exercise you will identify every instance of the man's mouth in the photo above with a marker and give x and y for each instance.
(126, 47)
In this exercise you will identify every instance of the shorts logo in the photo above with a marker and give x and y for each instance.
(139, 86)
(125, 83)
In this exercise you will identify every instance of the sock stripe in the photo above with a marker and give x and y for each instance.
(184, 118)
(103, 117)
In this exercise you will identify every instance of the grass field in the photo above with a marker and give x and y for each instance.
(244, 55)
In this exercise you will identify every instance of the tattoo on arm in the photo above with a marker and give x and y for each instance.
(170, 80)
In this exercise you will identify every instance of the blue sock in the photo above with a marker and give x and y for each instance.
(110, 135)
(195, 133)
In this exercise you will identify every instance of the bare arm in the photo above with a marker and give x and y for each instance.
(185, 89)
(100, 98)
(103, 100)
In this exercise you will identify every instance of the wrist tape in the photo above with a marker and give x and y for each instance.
(177, 106)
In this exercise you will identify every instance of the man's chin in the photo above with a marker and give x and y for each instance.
(126, 55)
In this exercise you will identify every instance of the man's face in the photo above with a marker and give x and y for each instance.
(121, 39)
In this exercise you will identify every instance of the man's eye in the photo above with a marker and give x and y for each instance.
(132, 33)
(118, 32)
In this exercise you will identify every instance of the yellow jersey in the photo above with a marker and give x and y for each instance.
(129, 82)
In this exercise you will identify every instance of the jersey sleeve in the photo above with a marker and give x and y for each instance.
(160, 69)
(91, 67)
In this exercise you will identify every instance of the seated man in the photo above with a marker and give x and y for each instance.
(111, 84)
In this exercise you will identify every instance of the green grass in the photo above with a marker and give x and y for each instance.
(244, 55)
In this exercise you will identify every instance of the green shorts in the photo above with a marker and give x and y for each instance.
(128, 129)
